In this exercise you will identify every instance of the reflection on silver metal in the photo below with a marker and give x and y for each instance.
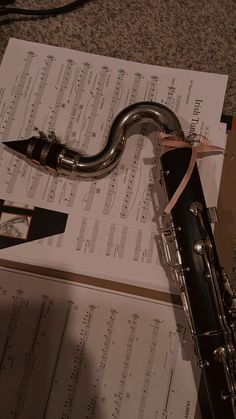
(195, 208)
(225, 357)
(67, 162)
(158, 115)
(212, 215)
(199, 247)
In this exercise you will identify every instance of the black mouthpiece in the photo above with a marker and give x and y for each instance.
(19, 145)
(38, 149)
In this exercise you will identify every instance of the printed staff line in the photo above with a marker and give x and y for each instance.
(11, 332)
(54, 371)
(28, 367)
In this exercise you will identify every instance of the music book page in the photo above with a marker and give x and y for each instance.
(113, 227)
(78, 95)
(69, 350)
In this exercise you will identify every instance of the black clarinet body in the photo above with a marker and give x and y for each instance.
(207, 295)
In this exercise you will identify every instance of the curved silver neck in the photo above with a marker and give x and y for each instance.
(139, 113)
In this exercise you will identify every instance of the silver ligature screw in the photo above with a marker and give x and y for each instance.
(196, 208)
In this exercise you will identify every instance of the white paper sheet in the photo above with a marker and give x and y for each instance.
(114, 234)
(73, 351)
(78, 95)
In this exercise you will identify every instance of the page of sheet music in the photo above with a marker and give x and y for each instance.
(107, 250)
(77, 94)
(71, 351)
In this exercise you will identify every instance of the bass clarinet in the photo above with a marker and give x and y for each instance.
(207, 295)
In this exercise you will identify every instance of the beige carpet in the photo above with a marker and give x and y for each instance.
(198, 35)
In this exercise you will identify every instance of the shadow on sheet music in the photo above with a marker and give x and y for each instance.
(159, 202)
(41, 365)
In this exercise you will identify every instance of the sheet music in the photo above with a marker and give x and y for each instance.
(115, 233)
(77, 95)
(105, 250)
(72, 351)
